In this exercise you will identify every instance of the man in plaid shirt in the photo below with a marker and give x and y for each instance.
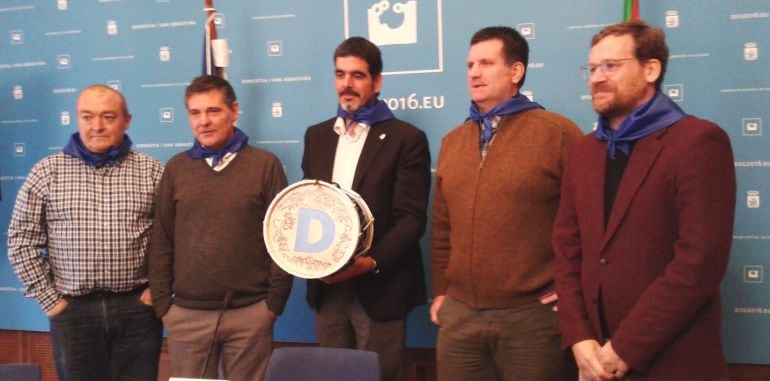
(78, 239)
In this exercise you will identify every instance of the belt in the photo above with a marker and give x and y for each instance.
(104, 294)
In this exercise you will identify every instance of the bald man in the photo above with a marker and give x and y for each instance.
(78, 240)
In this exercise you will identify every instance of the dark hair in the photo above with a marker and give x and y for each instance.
(363, 49)
(515, 47)
(650, 42)
(206, 83)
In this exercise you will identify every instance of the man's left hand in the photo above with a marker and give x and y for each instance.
(611, 362)
(361, 265)
(146, 297)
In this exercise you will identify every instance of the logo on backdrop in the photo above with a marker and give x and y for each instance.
(166, 115)
(63, 61)
(401, 28)
(527, 30)
(114, 84)
(752, 199)
(750, 51)
(19, 149)
(675, 92)
(382, 34)
(18, 92)
(64, 118)
(61, 5)
(17, 37)
(274, 48)
(753, 274)
(672, 19)
(277, 110)
(529, 94)
(752, 126)
(164, 53)
(112, 27)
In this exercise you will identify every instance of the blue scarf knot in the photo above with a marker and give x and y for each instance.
(512, 105)
(660, 112)
(375, 112)
(76, 148)
(234, 144)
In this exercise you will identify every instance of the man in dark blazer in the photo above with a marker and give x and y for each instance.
(385, 160)
(643, 233)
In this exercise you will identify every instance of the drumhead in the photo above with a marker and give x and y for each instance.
(313, 228)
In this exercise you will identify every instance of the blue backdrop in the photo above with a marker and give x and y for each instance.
(281, 68)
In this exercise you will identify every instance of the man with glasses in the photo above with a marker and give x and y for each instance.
(643, 232)
(79, 239)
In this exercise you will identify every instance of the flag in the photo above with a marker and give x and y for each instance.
(631, 10)
(207, 65)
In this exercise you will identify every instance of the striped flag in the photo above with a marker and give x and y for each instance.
(631, 10)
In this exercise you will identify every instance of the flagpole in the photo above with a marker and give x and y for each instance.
(208, 6)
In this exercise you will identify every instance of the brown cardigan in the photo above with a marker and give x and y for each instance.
(492, 222)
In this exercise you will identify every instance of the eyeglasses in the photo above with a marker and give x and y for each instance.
(607, 67)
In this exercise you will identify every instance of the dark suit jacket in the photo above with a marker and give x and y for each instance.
(393, 177)
(659, 261)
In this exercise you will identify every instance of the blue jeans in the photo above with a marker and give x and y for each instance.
(107, 336)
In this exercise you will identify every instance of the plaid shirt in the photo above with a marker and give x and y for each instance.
(76, 228)
(484, 147)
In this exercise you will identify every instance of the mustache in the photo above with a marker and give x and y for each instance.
(350, 92)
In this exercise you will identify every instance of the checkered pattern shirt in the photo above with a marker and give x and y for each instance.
(76, 228)
(484, 147)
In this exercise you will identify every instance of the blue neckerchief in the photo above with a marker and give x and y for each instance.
(76, 148)
(511, 105)
(374, 112)
(660, 112)
(234, 144)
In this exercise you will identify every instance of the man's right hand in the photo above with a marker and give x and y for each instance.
(434, 307)
(60, 306)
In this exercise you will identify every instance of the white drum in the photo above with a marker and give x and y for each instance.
(314, 228)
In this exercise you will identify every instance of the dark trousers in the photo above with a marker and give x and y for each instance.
(341, 322)
(107, 337)
(520, 343)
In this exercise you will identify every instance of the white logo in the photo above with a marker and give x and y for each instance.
(750, 51)
(274, 48)
(112, 27)
(64, 118)
(63, 61)
(594, 126)
(277, 110)
(18, 93)
(381, 33)
(672, 19)
(161, 1)
(752, 199)
(528, 94)
(219, 20)
(61, 5)
(114, 84)
(675, 92)
(17, 37)
(166, 115)
(164, 53)
(19, 149)
(752, 274)
(752, 126)
(527, 30)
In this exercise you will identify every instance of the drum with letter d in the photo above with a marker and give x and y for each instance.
(314, 228)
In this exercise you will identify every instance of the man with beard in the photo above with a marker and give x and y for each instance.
(643, 232)
(385, 160)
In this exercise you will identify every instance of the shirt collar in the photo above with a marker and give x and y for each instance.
(339, 127)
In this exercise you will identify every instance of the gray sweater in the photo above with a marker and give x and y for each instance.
(207, 236)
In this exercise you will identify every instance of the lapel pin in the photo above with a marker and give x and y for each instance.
(382, 137)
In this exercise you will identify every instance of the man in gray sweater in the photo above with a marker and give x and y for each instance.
(208, 260)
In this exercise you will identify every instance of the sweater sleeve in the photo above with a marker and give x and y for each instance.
(280, 281)
(161, 260)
